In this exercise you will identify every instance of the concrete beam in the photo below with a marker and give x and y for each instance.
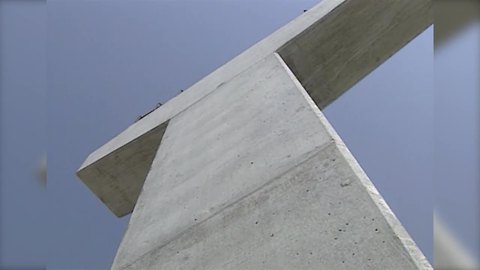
(337, 51)
(117, 178)
(329, 48)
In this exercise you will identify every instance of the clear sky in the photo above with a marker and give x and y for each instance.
(23, 85)
(110, 61)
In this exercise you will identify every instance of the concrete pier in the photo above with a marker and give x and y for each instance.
(243, 171)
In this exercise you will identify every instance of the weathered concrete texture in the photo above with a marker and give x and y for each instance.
(329, 48)
(318, 215)
(253, 177)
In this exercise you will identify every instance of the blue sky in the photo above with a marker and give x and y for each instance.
(110, 61)
(23, 85)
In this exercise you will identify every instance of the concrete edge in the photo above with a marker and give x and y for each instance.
(408, 244)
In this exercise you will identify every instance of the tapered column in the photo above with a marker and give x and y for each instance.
(253, 177)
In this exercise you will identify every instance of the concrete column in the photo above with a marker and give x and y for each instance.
(253, 177)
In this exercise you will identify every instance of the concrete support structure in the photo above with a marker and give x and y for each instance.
(242, 170)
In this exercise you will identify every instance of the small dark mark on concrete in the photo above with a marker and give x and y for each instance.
(220, 84)
(251, 162)
(271, 235)
(376, 230)
(307, 190)
(256, 222)
(329, 214)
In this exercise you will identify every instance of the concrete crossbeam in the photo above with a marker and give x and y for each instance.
(329, 48)
(243, 171)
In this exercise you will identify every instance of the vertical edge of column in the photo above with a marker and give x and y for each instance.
(408, 244)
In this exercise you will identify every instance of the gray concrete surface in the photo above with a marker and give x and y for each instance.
(329, 48)
(248, 173)
(337, 51)
(204, 194)
(118, 177)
